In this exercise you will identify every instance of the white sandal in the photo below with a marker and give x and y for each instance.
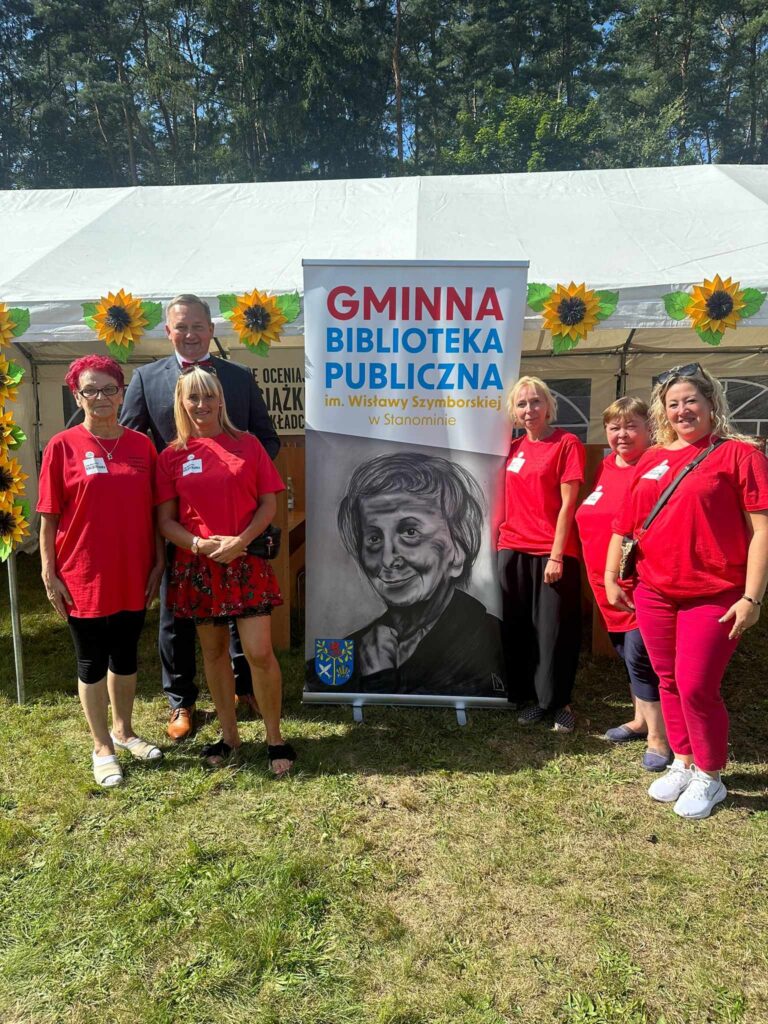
(109, 773)
(139, 748)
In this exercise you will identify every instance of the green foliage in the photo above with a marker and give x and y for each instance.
(753, 300)
(608, 303)
(563, 343)
(19, 437)
(20, 317)
(14, 373)
(261, 349)
(227, 305)
(289, 305)
(709, 337)
(676, 304)
(537, 296)
(121, 353)
(153, 312)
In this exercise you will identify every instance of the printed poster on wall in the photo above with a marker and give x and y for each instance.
(407, 368)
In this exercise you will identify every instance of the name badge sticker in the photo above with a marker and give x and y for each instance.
(94, 464)
(516, 464)
(657, 472)
(595, 496)
(192, 465)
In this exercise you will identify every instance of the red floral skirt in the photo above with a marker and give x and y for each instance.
(202, 589)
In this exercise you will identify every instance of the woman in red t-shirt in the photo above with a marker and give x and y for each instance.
(702, 568)
(101, 557)
(538, 558)
(216, 487)
(628, 436)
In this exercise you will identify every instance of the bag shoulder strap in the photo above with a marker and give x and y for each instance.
(666, 494)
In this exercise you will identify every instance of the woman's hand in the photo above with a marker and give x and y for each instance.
(58, 594)
(618, 596)
(153, 582)
(553, 570)
(227, 549)
(744, 615)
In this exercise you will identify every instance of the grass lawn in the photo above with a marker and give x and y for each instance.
(411, 871)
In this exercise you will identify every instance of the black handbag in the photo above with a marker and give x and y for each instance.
(267, 544)
(628, 559)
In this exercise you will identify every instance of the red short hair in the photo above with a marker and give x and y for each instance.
(101, 364)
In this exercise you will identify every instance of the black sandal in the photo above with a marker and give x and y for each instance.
(280, 752)
(216, 754)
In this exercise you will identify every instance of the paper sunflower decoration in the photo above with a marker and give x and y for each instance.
(714, 306)
(14, 524)
(11, 435)
(570, 312)
(10, 378)
(259, 318)
(12, 479)
(13, 323)
(120, 320)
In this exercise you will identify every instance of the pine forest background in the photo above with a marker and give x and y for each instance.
(121, 92)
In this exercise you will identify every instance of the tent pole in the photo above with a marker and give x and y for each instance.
(13, 588)
(621, 377)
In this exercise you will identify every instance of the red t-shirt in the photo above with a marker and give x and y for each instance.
(697, 545)
(218, 481)
(594, 521)
(532, 498)
(105, 541)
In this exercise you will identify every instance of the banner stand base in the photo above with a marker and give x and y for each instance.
(357, 712)
(461, 715)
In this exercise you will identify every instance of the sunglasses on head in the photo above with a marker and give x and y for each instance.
(689, 370)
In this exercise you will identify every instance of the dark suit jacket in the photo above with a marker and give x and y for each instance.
(148, 404)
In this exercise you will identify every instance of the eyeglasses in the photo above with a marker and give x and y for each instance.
(108, 392)
(689, 370)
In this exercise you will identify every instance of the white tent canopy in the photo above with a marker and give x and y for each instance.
(642, 231)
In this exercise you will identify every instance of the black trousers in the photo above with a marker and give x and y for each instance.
(542, 629)
(176, 642)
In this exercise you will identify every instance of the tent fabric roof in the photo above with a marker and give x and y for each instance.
(644, 231)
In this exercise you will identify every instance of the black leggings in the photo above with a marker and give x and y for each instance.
(542, 628)
(109, 641)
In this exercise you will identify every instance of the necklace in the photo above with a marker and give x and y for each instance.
(109, 452)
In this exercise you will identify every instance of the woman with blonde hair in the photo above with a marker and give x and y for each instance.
(702, 567)
(628, 435)
(216, 488)
(538, 558)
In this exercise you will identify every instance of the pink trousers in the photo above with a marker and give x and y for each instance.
(690, 650)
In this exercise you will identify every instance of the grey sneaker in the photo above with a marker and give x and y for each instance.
(532, 715)
(700, 796)
(565, 720)
(672, 784)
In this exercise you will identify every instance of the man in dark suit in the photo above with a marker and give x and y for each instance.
(148, 407)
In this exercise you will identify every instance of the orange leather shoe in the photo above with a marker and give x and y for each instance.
(181, 724)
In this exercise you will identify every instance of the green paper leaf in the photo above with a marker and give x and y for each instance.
(608, 303)
(5, 550)
(289, 305)
(710, 337)
(23, 504)
(19, 437)
(262, 349)
(753, 299)
(537, 296)
(676, 304)
(120, 352)
(21, 318)
(227, 305)
(89, 310)
(14, 373)
(562, 343)
(153, 312)
(90, 322)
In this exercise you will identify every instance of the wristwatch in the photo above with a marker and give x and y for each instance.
(195, 545)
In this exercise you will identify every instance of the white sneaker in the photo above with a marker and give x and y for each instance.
(669, 786)
(701, 795)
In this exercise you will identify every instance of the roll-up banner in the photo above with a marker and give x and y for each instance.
(407, 368)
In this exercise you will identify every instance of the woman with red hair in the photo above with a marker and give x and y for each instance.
(102, 559)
